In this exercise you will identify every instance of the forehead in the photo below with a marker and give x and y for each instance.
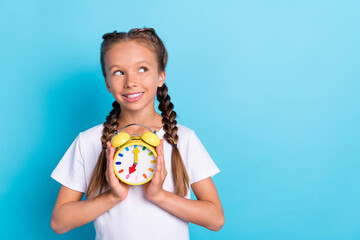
(129, 52)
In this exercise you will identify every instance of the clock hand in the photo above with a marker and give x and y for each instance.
(132, 168)
(136, 153)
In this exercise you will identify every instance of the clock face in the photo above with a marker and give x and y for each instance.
(134, 164)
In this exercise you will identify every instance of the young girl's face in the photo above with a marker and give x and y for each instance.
(132, 75)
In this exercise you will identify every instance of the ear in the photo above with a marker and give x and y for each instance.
(161, 79)
(108, 86)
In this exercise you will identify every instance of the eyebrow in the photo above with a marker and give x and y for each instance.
(139, 62)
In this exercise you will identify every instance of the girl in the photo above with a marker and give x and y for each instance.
(133, 65)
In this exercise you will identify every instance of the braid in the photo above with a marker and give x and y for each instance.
(111, 124)
(98, 179)
(178, 170)
(166, 107)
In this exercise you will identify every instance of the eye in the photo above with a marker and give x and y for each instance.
(118, 72)
(143, 69)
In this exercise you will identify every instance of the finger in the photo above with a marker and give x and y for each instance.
(107, 172)
(162, 160)
(110, 151)
(110, 159)
(157, 174)
(158, 170)
(160, 156)
(108, 146)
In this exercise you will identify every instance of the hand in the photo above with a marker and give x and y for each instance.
(118, 189)
(154, 188)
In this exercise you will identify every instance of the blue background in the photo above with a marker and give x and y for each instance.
(270, 87)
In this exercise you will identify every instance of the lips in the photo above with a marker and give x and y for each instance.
(132, 97)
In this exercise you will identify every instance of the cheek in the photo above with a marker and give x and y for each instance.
(152, 81)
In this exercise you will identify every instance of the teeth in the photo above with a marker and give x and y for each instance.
(133, 95)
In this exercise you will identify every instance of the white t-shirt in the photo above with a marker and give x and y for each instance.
(135, 217)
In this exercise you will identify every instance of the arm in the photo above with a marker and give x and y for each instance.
(206, 211)
(69, 212)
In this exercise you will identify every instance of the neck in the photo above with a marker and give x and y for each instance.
(151, 119)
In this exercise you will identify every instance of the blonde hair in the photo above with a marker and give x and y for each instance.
(149, 38)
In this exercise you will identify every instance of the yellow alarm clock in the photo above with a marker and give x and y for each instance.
(135, 156)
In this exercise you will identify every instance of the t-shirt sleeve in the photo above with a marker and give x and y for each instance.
(202, 166)
(70, 170)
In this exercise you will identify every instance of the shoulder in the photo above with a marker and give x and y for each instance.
(93, 131)
(188, 139)
(184, 132)
(91, 135)
(186, 135)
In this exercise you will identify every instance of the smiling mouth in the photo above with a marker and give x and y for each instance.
(130, 96)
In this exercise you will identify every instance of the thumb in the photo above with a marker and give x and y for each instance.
(109, 149)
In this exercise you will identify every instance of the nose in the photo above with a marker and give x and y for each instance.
(131, 81)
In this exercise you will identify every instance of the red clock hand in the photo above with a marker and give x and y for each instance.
(132, 168)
